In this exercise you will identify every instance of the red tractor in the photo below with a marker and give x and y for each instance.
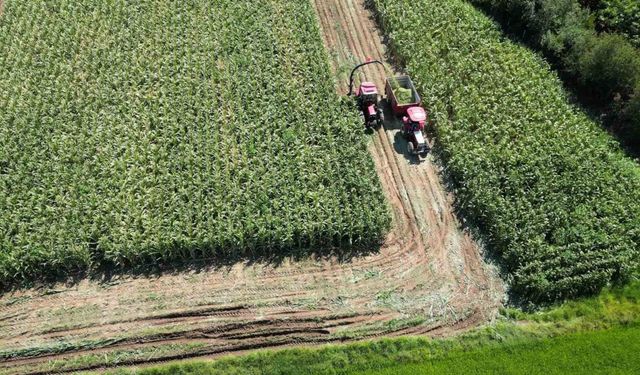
(368, 103)
(405, 102)
(413, 129)
(368, 99)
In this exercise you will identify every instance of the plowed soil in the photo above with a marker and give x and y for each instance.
(429, 277)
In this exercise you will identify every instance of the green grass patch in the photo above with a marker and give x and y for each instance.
(602, 352)
(612, 307)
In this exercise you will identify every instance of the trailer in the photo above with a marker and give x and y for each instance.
(401, 94)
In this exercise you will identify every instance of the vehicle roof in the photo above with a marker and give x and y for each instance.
(368, 88)
(417, 114)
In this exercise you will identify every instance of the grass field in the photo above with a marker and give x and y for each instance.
(154, 131)
(550, 191)
(602, 352)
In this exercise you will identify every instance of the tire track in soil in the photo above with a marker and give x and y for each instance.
(244, 332)
(428, 269)
(425, 201)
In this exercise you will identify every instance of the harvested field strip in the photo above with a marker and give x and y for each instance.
(222, 333)
(613, 313)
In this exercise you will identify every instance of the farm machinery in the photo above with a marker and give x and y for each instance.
(403, 99)
(407, 104)
(368, 99)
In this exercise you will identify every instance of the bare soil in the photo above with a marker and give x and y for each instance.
(429, 277)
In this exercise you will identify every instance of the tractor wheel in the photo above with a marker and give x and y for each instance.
(411, 148)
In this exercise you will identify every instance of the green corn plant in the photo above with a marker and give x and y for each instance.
(549, 190)
(155, 131)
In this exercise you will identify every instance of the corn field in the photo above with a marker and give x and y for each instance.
(152, 131)
(547, 188)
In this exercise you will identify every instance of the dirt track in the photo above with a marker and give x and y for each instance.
(428, 278)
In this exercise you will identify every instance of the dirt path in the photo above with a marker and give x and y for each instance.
(428, 278)
(413, 187)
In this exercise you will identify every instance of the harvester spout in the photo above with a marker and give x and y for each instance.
(358, 67)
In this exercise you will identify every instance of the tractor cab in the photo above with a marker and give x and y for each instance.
(413, 127)
(415, 119)
(367, 93)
